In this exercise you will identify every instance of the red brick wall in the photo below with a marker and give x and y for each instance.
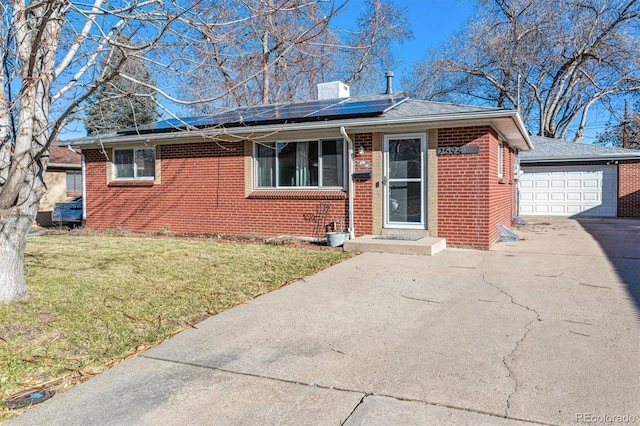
(202, 191)
(629, 189)
(472, 200)
(502, 192)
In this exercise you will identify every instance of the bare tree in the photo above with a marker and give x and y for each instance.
(554, 61)
(262, 53)
(52, 56)
(280, 49)
(367, 53)
(49, 50)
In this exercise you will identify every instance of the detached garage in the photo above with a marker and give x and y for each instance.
(569, 190)
(561, 178)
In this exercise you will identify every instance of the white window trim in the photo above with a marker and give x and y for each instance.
(115, 167)
(500, 159)
(320, 167)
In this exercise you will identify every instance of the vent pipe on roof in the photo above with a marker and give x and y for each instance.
(389, 82)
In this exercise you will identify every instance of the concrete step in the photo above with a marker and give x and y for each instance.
(428, 246)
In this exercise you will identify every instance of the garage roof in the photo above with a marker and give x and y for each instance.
(560, 150)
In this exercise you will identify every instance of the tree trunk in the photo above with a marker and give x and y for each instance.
(15, 223)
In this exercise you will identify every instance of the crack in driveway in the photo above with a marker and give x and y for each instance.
(527, 329)
(365, 393)
(354, 410)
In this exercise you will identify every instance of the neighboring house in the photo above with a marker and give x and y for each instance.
(378, 164)
(564, 178)
(63, 180)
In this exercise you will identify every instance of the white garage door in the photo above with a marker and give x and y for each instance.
(568, 191)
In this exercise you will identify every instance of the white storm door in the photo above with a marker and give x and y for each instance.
(404, 200)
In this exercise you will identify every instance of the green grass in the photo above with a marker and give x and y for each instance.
(98, 300)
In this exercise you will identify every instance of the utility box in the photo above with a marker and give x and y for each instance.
(333, 90)
(361, 176)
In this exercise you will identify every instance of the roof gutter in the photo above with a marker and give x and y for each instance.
(350, 184)
(604, 157)
(522, 128)
(65, 165)
(236, 132)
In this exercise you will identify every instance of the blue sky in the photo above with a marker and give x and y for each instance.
(432, 22)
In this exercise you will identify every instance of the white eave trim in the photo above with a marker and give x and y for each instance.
(508, 123)
(64, 166)
(605, 157)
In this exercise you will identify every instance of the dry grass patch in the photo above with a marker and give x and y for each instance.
(98, 300)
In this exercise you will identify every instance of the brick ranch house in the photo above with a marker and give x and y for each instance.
(377, 164)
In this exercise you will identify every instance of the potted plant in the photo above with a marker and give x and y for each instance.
(338, 235)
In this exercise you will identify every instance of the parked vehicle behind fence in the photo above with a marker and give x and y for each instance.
(68, 212)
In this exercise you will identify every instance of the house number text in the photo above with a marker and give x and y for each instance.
(456, 150)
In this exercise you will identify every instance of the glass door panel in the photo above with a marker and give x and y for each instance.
(404, 178)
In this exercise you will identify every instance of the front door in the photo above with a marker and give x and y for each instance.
(404, 181)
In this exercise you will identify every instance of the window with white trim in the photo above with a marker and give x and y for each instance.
(500, 158)
(300, 164)
(135, 163)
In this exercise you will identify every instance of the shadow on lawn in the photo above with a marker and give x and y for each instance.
(620, 240)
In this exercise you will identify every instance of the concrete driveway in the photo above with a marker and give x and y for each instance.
(544, 330)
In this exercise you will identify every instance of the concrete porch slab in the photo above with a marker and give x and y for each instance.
(428, 246)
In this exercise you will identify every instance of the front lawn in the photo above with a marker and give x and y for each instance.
(98, 300)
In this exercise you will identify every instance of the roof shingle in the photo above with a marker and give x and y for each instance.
(559, 149)
(62, 155)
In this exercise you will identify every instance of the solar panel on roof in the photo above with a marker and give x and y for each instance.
(164, 125)
(359, 107)
(294, 112)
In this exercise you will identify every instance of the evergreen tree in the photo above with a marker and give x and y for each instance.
(120, 103)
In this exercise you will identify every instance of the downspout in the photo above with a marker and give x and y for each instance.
(84, 188)
(84, 185)
(350, 186)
